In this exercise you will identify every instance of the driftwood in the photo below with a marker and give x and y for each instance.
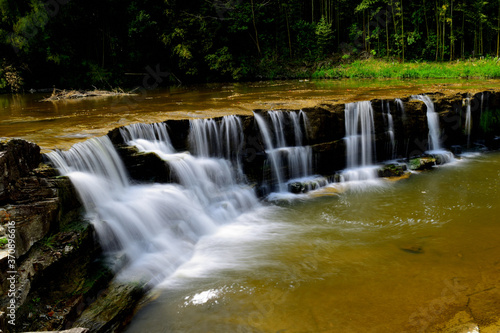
(59, 95)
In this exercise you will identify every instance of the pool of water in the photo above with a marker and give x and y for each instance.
(393, 257)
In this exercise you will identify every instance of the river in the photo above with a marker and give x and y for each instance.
(61, 124)
(398, 256)
(414, 255)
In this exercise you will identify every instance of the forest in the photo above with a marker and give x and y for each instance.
(119, 43)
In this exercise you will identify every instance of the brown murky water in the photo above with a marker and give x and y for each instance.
(405, 256)
(63, 123)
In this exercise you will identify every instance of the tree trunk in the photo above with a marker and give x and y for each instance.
(438, 32)
(387, 32)
(312, 11)
(498, 29)
(255, 29)
(364, 31)
(451, 32)
(402, 31)
(463, 33)
(426, 23)
(288, 32)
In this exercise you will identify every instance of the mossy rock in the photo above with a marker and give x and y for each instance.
(422, 163)
(113, 309)
(392, 170)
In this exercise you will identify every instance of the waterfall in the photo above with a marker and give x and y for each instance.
(432, 122)
(287, 161)
(390, 129)
(360, 129)
(468, 121)
(482, 103)
(209, 138)
(155, 226)
(360, 132)
(400, 106)
(204, 137)
(272, 155)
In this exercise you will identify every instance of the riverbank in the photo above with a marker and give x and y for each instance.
(329, 68)
(379, 68)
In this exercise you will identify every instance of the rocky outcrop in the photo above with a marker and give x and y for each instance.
(326, 133)
(51, 270)
(113, 310)
(144, 167)
(17, 159)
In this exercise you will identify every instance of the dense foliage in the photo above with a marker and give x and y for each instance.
(109, 43)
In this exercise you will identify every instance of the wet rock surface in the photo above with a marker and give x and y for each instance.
(55, 254)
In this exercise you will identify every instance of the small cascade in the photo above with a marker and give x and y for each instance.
(468, 120)
(204, 137)
(482, 102)
(360, 144)
(433, 124)
(401, 107)
(224, 139)
(156, 226)
(288, 162)
(390, 129)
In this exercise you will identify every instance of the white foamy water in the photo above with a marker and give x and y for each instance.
(293, 157)
(156, 226)
(360, 143)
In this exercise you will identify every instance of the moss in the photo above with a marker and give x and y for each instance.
(422, 163)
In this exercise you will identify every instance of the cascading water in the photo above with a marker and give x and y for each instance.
(482, 101)
(433, 124)
(360, 145)
(468, 120)
(401, 107)
(224, 139)
(390, 129)
(295, 158)
(155, 225)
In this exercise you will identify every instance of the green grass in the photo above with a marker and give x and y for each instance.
(377, 68)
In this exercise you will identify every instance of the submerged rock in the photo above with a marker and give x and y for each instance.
(412, 248)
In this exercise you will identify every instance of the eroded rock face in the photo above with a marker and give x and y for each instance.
(17, 159)
(326, 135)
(51, 244)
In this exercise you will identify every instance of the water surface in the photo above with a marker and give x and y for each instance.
(398, 256)
(61, 124)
